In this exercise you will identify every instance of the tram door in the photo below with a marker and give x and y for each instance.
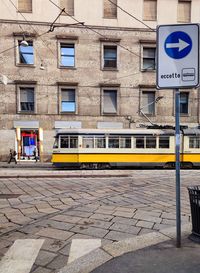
(29, 143)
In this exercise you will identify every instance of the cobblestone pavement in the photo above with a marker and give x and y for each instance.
(112, 205)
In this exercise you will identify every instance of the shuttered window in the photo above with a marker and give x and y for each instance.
(150, 10)
(184, 11)
(110, 9)
(68, 103)
(68, 5)
(148, 102)
(25, 5)
(110, 101)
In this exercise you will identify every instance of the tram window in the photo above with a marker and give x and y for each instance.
(150, 142)
(100, 142)
(194, 142)
(55, 145)
(64, 142)
(163, 142)
(73, 142)
(125, 142)
(88, 142)
(68, 142)
(113, 142)
(139, 142)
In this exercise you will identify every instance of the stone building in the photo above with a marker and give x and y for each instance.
(84, 64)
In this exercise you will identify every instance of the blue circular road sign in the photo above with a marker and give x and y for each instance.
(178, 45)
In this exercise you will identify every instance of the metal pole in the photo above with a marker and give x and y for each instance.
(178, 202)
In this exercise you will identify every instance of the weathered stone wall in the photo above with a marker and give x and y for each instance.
(89, 76)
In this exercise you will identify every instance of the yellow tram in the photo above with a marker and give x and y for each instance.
(105, 148)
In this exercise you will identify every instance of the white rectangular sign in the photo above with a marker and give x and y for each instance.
(177, 56)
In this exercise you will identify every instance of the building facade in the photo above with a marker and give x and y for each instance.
(84, 64)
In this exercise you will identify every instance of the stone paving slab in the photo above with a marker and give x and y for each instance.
(111, 205)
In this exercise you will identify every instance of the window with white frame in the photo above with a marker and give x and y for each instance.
(68, 100)
(184, 102)
(110, 9)
(110, 56)
(25, 5)
(26, 99)
(194, 142)
(184, 11)
(150, 10)
(149, 58)
(109, 101)
(67, 55)
(25, 53)
(68, 5)
(148, 102)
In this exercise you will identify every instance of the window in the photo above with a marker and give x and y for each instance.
(68, 100)
(163, 142)
(139, 142)
(194, 142)
(113, 142)
(125, 142)
(109, 101)
(148, 142)
(88, 142)
(150, 10)
(184, 98)
(26, 97)
(184, 11)
(149, 58)
(148, 102)
(68, 142)
(100, 142)
(110, 9)
(68, 5)
(94, 142)
(109, 56)
(67, 55)
(26, 53)
(25, 5)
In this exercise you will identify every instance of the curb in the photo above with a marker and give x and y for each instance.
(63, 175)
(103, 254)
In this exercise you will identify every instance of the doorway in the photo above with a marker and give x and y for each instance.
(29, 144)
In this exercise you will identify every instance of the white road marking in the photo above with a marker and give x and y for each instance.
(80, 247)
(21, 256)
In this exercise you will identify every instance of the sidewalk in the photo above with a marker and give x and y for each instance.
(26, 164)
(160, 258)
(154, 252)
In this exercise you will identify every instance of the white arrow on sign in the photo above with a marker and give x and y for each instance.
(181, 45)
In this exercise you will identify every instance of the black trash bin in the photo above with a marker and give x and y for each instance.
(194, 195)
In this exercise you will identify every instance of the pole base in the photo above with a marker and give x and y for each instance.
(195, 238)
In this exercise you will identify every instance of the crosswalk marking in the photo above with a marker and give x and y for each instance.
(21, 256)
(80, 247)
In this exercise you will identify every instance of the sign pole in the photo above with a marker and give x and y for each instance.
(178, 201)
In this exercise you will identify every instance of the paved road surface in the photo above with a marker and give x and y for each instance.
(109, 205)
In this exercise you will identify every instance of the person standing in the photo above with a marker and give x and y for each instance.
(35, 154)
(12, 156)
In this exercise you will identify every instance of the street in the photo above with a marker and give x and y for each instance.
(109, 205)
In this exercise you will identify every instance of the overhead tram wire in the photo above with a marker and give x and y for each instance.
(34, 28)
(131, 15)
(93, 30)
(52, 26)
